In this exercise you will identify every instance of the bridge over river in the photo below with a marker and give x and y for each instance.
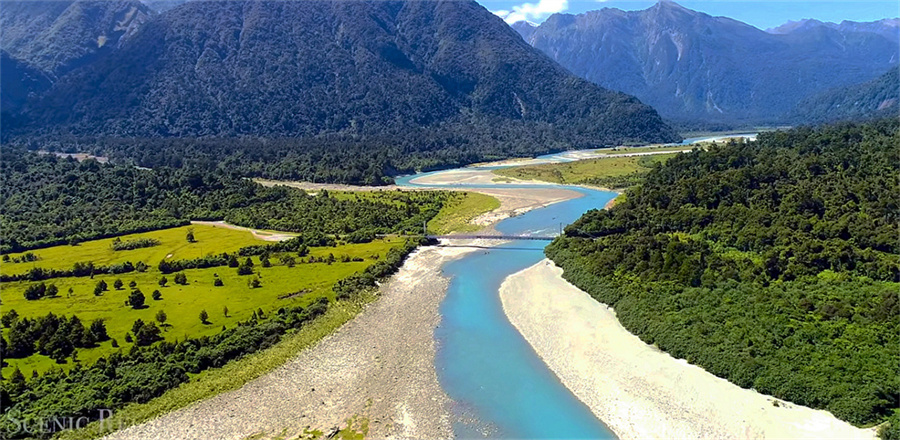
(495, 237)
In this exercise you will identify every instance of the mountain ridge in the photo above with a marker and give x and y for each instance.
(220, 68)
(692, 66)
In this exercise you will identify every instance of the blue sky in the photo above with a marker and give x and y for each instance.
(763, 14)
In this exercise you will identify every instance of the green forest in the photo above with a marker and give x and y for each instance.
(773, 264)
(47, 201)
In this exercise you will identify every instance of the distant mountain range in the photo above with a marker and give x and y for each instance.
(692, 67)
(304, 68)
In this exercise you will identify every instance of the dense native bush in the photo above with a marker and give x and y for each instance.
(770, 263)
(49, 201)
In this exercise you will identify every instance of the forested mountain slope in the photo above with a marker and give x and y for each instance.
(268, 68)
(693, 67)
(57, 36)
(873, 99)
(18, 81)
(770, 263)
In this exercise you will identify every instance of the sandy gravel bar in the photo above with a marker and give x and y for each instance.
(637, 390)
(380, 365)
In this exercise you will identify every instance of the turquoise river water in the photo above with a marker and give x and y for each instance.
(499, 385)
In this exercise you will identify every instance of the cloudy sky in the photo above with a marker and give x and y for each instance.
(763, 14)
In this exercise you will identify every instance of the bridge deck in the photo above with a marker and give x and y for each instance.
(496, 237)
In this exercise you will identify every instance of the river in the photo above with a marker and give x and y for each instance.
(499, 385)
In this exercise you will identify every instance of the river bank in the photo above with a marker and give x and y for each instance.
(637, 390)
(379, 367)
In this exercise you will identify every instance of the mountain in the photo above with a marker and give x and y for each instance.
(274, 69)
(877, 98)
(691, 66)
(888, 27)
(57, 36)
(163, 5)
(19, 81)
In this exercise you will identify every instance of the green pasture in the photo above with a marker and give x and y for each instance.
(182, 303)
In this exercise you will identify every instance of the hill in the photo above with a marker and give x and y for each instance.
(19, 81)
(693, 67)
(264, 68)
(58, 36)
(873, 99)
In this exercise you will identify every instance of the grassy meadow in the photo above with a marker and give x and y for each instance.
(459, 212)
(172, 245)
(281, 286)
(589, 171)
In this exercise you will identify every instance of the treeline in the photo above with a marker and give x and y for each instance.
(146, 372)
(770, 263)
(625, 180)
(50, 335)
(49, 201)
(367, 160)
(79, 269)
(119, 245)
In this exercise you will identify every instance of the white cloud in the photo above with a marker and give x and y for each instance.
(533, 11)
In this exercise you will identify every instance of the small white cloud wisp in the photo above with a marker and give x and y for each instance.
(533, 11)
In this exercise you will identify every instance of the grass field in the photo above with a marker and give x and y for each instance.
(584, 171)
(234, 374)
(646, 149)
(460, 210)
(181, 303)
(173, 244)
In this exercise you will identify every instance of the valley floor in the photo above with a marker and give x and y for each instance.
(379, 367)
(637, 390)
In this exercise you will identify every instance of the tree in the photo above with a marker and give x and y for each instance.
(141, 266)
(136, 299)
(248, 262)
(190, 235)
(78, 336)
(245, 270)
(103, 286)
(180, 278)
(128, 338)
(98, 290)
(136, 325)
(233, 261)
(265, 261)
(35, 291)
(204, 317)
(254, 283)
(118, 284)
(98, 330)
(156, 295)
(147, 334)
(52, 290)
(115, 343)
(218, 282)
(225, 311)
(132, 284)
(9, 318)
(71, 291)
(163, 281)
(21, 343)
(161, 317)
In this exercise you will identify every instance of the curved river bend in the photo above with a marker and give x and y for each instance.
(499, 385)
